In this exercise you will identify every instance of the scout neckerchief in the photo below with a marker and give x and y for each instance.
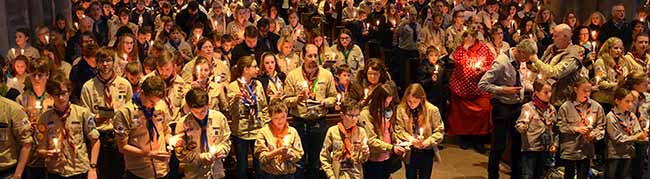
(148, 114)
(249, 94)
(312, 79)
(63, 115)
(347, 140)
(275, 78)
(624, 119)
(542, 109)
(583, 114)
(414, 119)
(108, 99)
(346, 53)
(204, 134)
(169, 83)
(279, 135)
(41, 99)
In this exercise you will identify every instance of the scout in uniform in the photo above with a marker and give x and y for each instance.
(35, 101)
(215, 88)
(346, 146)
(176, 87)
(623, 130)
(248, 111)
(278, 145)
(62, 132)
(581, 123)
(103, 94)
(220, 67)
(309, 90)
(418, 122)
(141, 132)
(15, 139)
(23, 46)
(203, 138)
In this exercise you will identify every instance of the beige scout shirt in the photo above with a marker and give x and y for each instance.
(73, 158)
(277, 165)
(119, 63)
(218, 134)
(247, 121)
(286, 63)
(34, 106)
(29, 51)
(621, 130)
(130, 124)
(15, 130)
(331, 154)
(636, 64)
(432, 134)
(354, 58)
(323, 90)
(183, 47)
(609, 76)
(376, 142)
(532, 124)
(92, 97)
(176, 89)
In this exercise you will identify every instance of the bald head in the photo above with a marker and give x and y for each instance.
(562, 36)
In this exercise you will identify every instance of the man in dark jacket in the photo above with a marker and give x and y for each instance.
(250, 46)
(190, 16)
(266, 39)
(617, 27)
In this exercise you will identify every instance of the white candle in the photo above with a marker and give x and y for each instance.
(377, 22)
(140, 20)
(519, 31)
(590, 119)
(76, 25)
(367, 26)
(647, 125)
(213, 149)
(198, 71)
(594, 34)
(125, 57)
(171, 143)
(198, 37)
(217, 79)
(15, 79)
(435, 71)
(365, 92)
(421, 134)
(47, 39)
(338, 98)
(55, 142)
(13, 51)
(530, 36)
(478, 64)
(593, 45)
(539, 7)
(539, 76)
(597, 79)
(512, 23)
(151, 43)
(286, 141)
(38, 104)
(22, 51)
(464, 28)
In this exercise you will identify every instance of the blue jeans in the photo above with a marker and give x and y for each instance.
(420, 165)
(242, 147)
(312, 136)
(533, 164)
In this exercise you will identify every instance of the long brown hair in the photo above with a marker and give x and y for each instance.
(134, 53)
(237, 70)
(376, 106)
(417, 91)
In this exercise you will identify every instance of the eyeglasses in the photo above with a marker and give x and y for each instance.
(38, 75)
(352, 115)
(63, 93)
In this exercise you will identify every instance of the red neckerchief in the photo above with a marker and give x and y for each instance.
(347, 140)
(63, 116)
(108, 98)
(539, 104)
(541, 108)
(638, 58)
(626, 124)
(279, 134)
(243, 88)
(310, 77)
(583, 114)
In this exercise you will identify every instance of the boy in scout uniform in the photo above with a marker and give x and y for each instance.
(204, 138)
(141, 132)
(346, 146)
(35, 101)
(15, 139)
(176, 86)
(278, 145)
(102, 95)
(61, 134)
(309, 91)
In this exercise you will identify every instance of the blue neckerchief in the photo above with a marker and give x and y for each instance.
(253, 105)
(175, 44)
(339, 85)
(204, 135)
(148, 114)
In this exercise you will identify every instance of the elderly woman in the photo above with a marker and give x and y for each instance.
(470, 108)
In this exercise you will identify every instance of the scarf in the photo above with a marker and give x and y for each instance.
(347, 140)
(148, 114)
(204, 134)
(108, 98)
(583, 114)
(539, 104)
(249, 96)
(63, 115)
(312, 79)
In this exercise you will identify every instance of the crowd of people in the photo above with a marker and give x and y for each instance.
(324, 89)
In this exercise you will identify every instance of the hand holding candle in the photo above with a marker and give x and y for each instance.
(55, 143)
(338, 99)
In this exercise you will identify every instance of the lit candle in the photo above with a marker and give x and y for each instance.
(140, 20)
(464, 28)
(393, 22)
(539, 7)
(198, 71)
(530, 36)
(151, 43)
(367, 26)
(216, 24)
(597, 79)
(518, 31)
(305, 85)
(22, 51)
(478, 64)
(512, 23)
(365, 92)
(519, 4)
(217, 79)
(594, 34)
(647, 125)
(55, 142)
(642, 19)
(590, 119)
(76, 25)
(213, 149)
(125, 57)
(539, 76)
(83, 16)
(593, 45)
(377, 22)
(38, 105)
(15, 79)
(171, 143)
(338, 99)
(435, 70)
(47, 39)
(198, 37)
(286, 141)
(421, 134)
(13, 51)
